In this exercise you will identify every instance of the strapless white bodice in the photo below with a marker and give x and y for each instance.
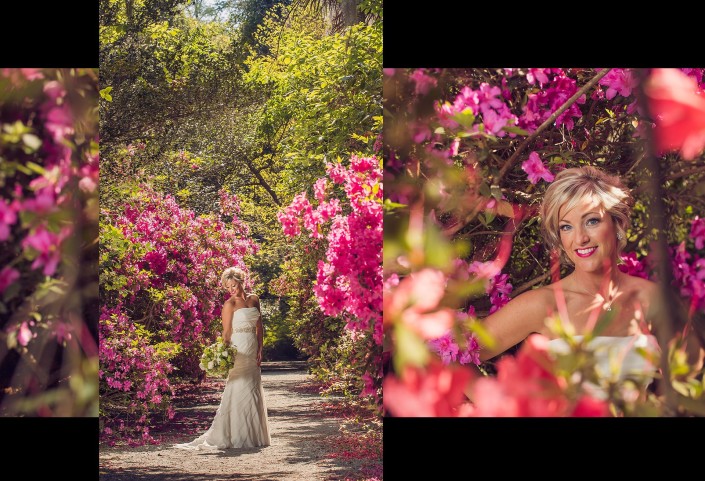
(617, 358)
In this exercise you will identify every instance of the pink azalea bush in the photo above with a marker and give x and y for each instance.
(161, 300)
(349, 277)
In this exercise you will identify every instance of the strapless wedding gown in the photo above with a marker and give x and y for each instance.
(616, 358)
(241, 419)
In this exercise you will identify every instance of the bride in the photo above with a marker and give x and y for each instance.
(241, 419)
(584, 218)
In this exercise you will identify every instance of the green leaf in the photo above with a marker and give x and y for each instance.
(515, 130)
(410, 349)
(485, 190)
(105, 94)
(36, 168)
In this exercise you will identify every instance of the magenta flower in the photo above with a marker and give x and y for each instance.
(618, 81)
(536, 170)
(7, 218)
(471, 353)
(697, 232)
(446, 347)
(47, 246)
(7, 276)
(423, 82)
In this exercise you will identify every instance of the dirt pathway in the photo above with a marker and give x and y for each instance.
(298, 451)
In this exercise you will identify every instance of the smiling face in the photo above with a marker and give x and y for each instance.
(233, 287)
(588, 234)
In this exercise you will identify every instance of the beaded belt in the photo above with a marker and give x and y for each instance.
(245, 329)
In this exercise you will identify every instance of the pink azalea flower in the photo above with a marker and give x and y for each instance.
(618, 81)
(54, 90)
(423, 82)
(415, 302)
(471, 353)
(525, 385)
(590, 407)
(436, 391)
(697, 232)
(536, 170)
(8, 275)
(7, 218)
(47, 245)
(24, 335)
(446, 347)
(32, 73)
(678, 109)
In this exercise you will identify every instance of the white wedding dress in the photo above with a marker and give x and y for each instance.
(241, 419)
(616, 358)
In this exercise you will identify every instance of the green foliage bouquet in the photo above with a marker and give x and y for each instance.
(218, 358)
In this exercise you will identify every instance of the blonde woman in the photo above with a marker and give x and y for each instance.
(241, 419)
(584, 217)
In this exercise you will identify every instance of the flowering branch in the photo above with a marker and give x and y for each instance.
(549, 121)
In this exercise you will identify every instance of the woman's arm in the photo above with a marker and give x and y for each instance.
(227, 317)
(515, 321)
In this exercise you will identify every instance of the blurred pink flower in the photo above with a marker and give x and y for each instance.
(47, 246)
(525, 385)
(24, 335)
(8, 216)
(697, 232)
(589, 407)
(536, 170)
(8, 275)
(436, 391)
(415, 301)
(678, 109)
(423, 82)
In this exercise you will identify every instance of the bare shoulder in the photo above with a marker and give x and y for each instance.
(253, 300)
(533, 306)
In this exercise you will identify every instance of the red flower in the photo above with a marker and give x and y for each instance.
(436, 391)
(589, 407)
(678, 109)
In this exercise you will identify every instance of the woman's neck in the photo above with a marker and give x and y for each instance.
(598, 282)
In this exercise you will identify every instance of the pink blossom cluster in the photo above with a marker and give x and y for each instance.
(349, 280)
(449, 351)
(129, 364)
(486, 101)
(525, 385)
(163, 274)
(633, 266)
(541, 105)
(499, 290)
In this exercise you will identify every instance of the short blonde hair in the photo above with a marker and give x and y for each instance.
(233, 274)
(571, 185)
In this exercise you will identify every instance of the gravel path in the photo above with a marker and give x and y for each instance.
(298, 451)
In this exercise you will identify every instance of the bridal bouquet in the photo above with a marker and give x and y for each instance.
(218, 358)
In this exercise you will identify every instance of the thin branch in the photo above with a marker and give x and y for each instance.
(531, 283)
(515, 157)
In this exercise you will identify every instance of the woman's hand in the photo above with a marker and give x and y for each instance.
(259, 358)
